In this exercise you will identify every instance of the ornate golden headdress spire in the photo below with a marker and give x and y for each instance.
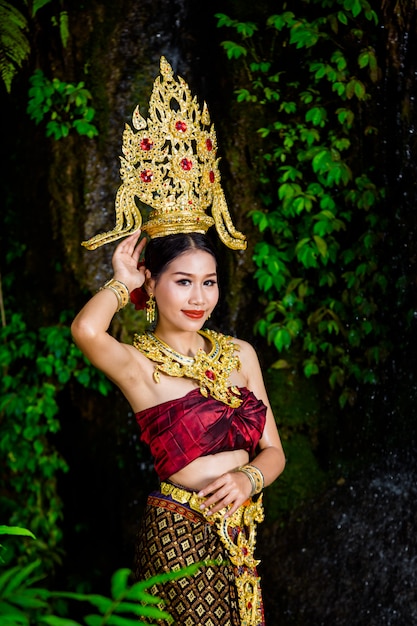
(170, 164)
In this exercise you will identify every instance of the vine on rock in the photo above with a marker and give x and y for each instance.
(36, 365)
(319, 262)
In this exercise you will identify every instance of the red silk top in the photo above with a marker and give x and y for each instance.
(181, 430)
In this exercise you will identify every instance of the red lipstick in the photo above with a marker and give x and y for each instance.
(195, 315)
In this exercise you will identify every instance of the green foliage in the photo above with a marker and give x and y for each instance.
(23, 602)
(35, 366)
(15, 43)
(14, 530)
(127, 603)
(19, 598)
(63, 104)
(320, 266)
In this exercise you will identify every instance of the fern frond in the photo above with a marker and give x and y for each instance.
(38, 4)
(14, 44)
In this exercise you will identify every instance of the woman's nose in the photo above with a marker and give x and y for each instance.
(197, 296)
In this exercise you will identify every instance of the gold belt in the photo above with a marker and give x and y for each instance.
(240, 546)
(182, 495)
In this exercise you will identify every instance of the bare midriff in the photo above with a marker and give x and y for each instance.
(202, 471)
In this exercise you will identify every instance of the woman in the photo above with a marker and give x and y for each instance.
(201, 405)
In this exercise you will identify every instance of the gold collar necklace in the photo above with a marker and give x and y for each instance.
(210, 369)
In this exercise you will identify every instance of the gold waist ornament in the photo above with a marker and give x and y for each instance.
(238, 535)
(210, 369)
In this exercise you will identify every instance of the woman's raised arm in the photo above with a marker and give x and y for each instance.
(90, 326)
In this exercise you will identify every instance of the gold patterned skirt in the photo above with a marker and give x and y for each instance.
(174, 534)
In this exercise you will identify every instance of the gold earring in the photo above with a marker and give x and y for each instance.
(150, 308)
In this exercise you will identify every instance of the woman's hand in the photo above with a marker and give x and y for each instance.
(125, 261)
(231, 489)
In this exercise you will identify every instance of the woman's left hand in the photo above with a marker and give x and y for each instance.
(229, 490)
(125, 261)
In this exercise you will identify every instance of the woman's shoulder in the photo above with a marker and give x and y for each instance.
(244, 346)
(244, 349)
(223, 338)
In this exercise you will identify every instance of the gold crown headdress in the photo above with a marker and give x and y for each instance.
(170, 164)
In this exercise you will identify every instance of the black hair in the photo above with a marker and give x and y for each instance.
(161, 251)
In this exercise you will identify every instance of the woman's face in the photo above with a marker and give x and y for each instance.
(187, 291)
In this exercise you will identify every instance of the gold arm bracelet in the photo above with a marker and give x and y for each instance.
(255, 476)
(120, 290)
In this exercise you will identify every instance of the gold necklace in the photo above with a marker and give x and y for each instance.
(210, 369)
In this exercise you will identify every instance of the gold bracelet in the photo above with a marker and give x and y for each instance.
(255, 476)
(120, 290)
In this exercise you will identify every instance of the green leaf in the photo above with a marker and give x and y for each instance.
(301, 244)
(288, 190)
(38, 4)
(116, 620)
(282, 339)
(119, 582)
(64, 27)
(363, 59)
(16, 530)
(224, 20)
(321, 246)
(234, 50)
(307, 256)
(152, 612)
(337, 377)
(94, 620)
(11, 616)
(281, 21)
(360, 90)
(13, 577)
(102, 603)
(317, 116)
(310, 368)
(355, 6)
(303, 34)
(54, 620)
(246, 29)
(342, 17)
(280, 364)
(27, 599)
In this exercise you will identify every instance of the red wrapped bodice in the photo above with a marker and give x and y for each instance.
(181, 430)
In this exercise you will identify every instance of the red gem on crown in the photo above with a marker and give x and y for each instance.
(210, 375)
(181, 127)
(186, 164)
(211, 176)
(146, 144)
(209, 145)
(146, 176)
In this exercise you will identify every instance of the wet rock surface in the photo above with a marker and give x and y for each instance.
(349, 559)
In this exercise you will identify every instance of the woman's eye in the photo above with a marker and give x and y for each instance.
(186, 281)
